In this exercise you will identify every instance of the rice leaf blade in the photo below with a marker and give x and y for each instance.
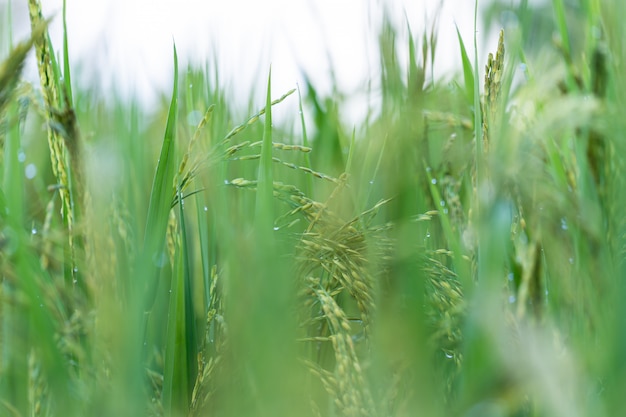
(264, 216)
(162, 192)
(468, 75)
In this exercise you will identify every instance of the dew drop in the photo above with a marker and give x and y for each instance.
(159, 259)
(194, 117)
(21, 156)
(205, 208)
(563, 224)
(30, 171)
(33, 231)
(596, 32)
(433, 181)
(512, 299)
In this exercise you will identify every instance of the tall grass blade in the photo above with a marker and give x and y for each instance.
(67, 78)
(182, 346)
(207, 241)
(478, 121)
(305, 142)
(561, 23)
(162, 194)
(264, 216)
(468, 72)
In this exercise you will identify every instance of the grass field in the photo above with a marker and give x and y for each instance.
(459, 253)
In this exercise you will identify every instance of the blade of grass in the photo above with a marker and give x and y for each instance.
(351, 152)
(478, 121)
(207, 241)
(161, 194)
(305, 141)
(175, 385)
(264, 216)
(67, 78)
(13, 183)
(561, 23)
(468, 75)
(181, 351)
(375, 175)
(12, 383)
(190, 340)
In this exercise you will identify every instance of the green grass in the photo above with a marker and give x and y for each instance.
(460, 253)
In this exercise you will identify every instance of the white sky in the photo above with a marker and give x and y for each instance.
(131, 40)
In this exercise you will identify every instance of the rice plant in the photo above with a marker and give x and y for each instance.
(459, 253)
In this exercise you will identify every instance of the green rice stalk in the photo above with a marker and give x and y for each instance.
(352, 395)
(211, 358)
(306, 170)
(38, 395)
(63, 139)
(183, 173)
(253, 119)
(493, 84)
